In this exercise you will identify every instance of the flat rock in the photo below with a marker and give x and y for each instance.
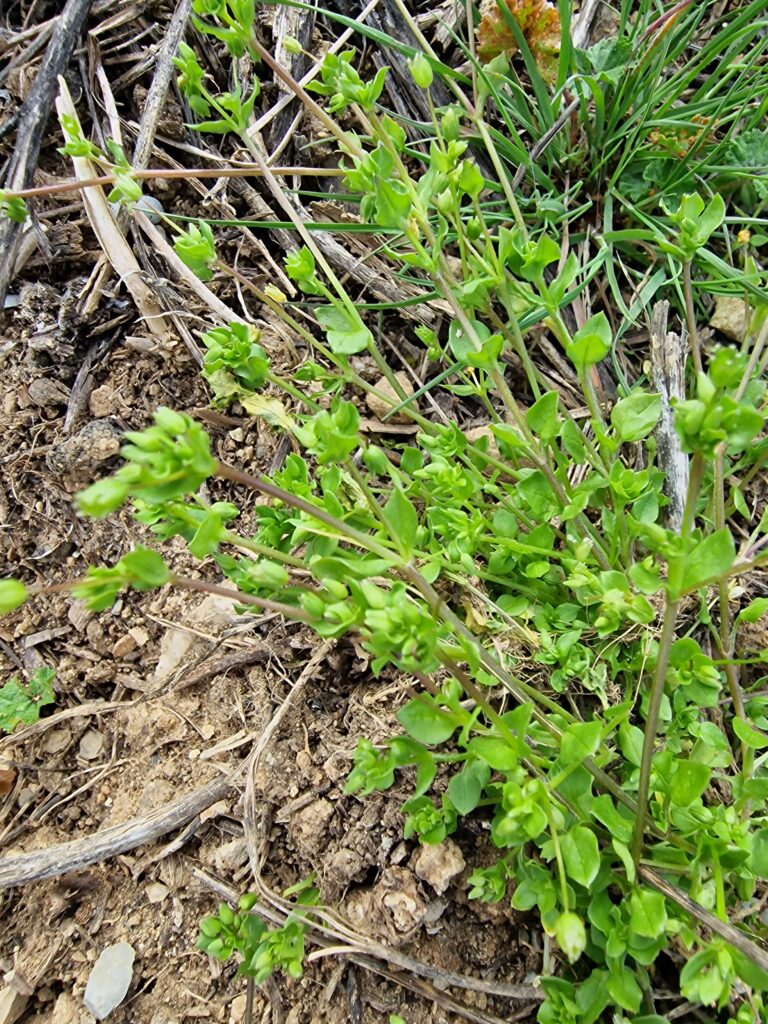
(91, 745)
(47, 393)
(110, 979)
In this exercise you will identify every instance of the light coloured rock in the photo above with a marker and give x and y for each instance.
(124, 646)
(91, 744)
(110, 979)
(157, 892)
(67, 1010)
(56, 740)
(474, 434)
(213, 612)
(102, 402)
(237, 1009)
(400, 897)
(730, 317)
(139, 634)
(230, 856)
(79, 615)
(439, 864)
(380, 407)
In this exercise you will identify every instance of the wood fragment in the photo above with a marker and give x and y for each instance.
(668, 376)
(79, 853)
(33, 118)
(111, 239)
(153, 105)
(297, 24)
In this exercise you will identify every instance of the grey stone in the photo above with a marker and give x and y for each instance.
(110, 979)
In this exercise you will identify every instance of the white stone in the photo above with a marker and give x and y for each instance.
(110, 979)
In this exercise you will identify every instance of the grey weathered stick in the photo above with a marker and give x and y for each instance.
(161, 79)
(668, 375)
(57, 860)
(33, 118)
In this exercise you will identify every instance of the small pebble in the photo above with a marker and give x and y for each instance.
(91, 745)
(124, 646)
(109, 980)
(157, 892)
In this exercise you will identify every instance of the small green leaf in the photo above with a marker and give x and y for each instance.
(591, 344)
(647, 913)
(631, 743)
(20, 703)
(635, 417)
(709, 560)
(624, 989)
(750, 972)
(425, 722)
(497, 753)
(580, 740)
(581, 854)
(146, 568)
(622, 851)
(346, 332)
(13, 594)
(751, 737)
(688, 780)
(402, 519)
(542, 417)
(759, 858)
(754, 610)
(466, 788)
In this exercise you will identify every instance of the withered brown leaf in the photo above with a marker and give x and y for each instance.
(539, 21)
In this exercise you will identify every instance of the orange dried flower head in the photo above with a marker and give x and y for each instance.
(539, 22)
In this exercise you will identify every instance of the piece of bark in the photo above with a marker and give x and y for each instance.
(668, 374)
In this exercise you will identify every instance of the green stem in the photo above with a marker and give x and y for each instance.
(262, 549)
(671, 608)
(370, 498)
(725, 641)
(263, 486)
(558, 857)
(288, 610)
(690, 317)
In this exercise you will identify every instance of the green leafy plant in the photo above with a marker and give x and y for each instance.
(259, 948)
(20, 703)
(586, 685)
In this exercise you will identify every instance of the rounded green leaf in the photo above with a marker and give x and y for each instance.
(635, 416)
(13, 593)
(425, 722)
(581, 854)
(647, 913)
(591, 344)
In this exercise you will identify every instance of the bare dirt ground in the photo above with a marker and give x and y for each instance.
(164, 695)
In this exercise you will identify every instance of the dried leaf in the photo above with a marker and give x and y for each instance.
(539, 22)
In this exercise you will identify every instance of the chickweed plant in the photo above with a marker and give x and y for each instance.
(584, 673)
